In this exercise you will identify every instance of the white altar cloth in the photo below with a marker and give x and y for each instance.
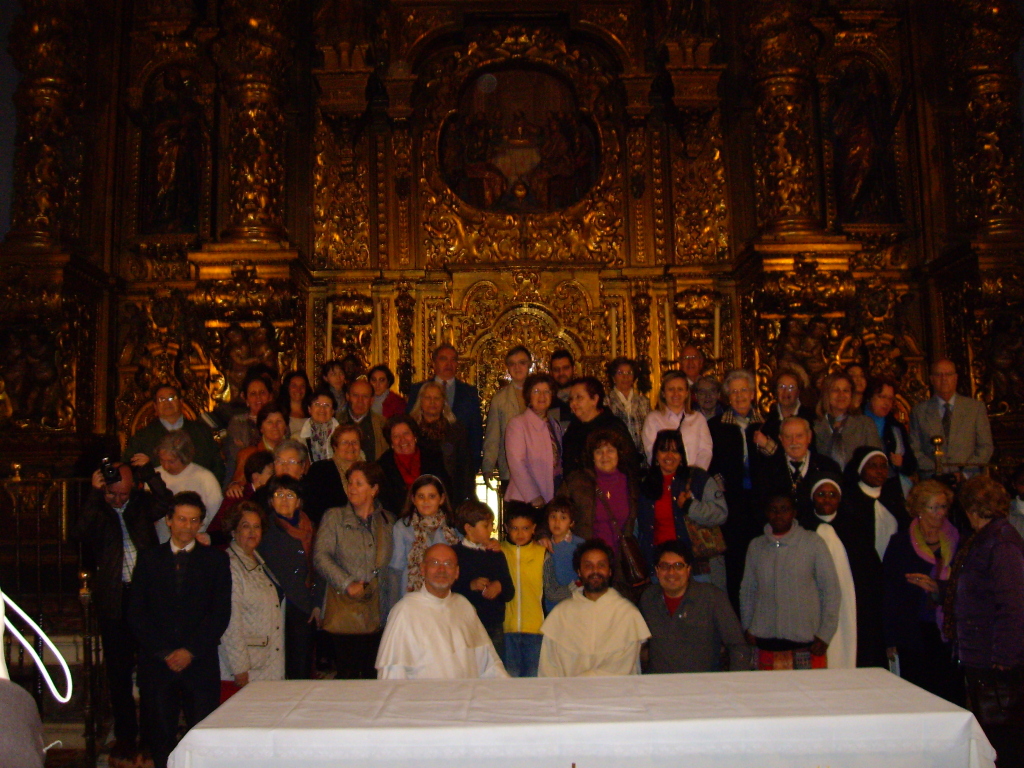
(859, 718)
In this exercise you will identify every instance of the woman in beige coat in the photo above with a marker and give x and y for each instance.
(252, 647)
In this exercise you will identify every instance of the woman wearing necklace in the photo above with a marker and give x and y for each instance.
(628, 398)
(252, 647)
(916, 567)
(839, 429)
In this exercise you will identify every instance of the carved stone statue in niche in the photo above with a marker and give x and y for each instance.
(236, 356)
(174, 135)
(863, 123)
(517, 144)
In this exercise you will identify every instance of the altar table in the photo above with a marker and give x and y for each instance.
(865, 718)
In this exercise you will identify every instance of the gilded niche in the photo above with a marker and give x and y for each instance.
(506, 176)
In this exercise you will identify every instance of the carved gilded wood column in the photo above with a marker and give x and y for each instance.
(992, 30)
(254, 54)
(46, 44)
(782, 46)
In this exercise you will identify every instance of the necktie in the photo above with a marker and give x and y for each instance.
(180, 564)
(797, 477)
(947, 420)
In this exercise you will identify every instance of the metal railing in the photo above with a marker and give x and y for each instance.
(41, 569)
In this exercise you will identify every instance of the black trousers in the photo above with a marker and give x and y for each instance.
(996, 697)
(356, 655)
(165, 694)
(120, 655)
(298, 644)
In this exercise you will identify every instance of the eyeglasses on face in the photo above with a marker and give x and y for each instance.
(322, 405)
(285, 496)
(168, 399)
(288, 462)
(440, 563)
(677, 566)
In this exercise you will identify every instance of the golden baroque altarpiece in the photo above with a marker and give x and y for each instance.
(788, 184)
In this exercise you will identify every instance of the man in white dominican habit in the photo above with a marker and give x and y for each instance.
(435, 634)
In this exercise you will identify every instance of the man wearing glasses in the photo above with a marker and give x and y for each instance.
(689, 621)
(791, 469)
(435, 634)
(169, 416)
(787, 404)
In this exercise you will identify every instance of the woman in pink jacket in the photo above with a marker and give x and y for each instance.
(533, 445)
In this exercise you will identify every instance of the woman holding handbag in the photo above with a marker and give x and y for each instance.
(682, 502)
(352, 551)
(605, 493)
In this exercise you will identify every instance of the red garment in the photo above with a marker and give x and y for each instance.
(664, 514)
(393, 405)
(672, 603)
(408, 466)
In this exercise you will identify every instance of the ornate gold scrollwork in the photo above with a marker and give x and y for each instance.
(587, 231)
(341, 210)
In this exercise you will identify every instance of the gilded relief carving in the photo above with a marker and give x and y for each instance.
(351, 329)
(47, 48)
(458, 232)
(341, 211)
(405, 313)
(700, 206)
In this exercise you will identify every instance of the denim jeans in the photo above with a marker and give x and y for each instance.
(522, 653)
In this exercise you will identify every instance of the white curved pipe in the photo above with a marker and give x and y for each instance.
(31, 651)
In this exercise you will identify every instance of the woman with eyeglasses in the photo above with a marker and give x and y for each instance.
(678, 501)
(533, 445)
(916, 569)
(826, 495)
(317, 430)
(287, 549)
(352, 551)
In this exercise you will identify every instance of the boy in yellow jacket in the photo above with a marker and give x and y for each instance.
(525, 612)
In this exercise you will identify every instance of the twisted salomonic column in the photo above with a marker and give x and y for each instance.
(254, 55)
(782, 46)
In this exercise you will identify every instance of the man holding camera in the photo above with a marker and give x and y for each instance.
(116, 525)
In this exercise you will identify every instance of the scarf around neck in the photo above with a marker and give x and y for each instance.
(424, 529)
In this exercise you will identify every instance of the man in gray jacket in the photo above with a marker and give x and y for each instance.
(789, 597)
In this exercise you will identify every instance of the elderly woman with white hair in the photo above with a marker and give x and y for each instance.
(442, 432)
(675, 412)
(179, 472)
(739, 449)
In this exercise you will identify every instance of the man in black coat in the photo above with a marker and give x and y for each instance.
(116, 527)
(791, 469)
(180, 607)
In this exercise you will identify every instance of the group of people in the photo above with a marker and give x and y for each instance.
(338, 526)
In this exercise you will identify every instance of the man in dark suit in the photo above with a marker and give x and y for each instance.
(169, 416)
(180, 607)
(116, 526)
(789, 470)
(464, 399)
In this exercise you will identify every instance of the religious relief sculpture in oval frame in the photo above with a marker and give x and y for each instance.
(518, 143)
(521, 153)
